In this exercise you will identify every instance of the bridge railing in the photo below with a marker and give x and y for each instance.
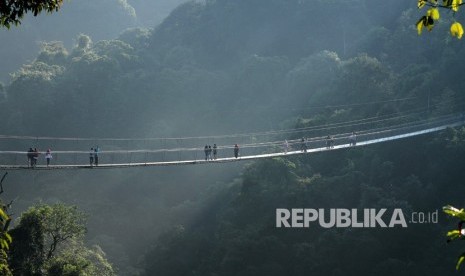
(172, 150)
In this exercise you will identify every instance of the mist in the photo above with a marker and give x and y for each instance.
(98, 71)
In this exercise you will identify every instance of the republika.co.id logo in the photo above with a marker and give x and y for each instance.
(343, 218)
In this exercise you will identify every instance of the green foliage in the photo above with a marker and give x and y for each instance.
(28, 248)
(78, 260)
(5, 240)
(432, 15)
(53, 53)
(11, 12)
(452, 211)
(49, 238)
(136, 37)
(240, 239)
(41, 230)
(60, 223)
(227, 66)
(456, 234)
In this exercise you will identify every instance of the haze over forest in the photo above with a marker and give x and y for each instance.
(165, 68)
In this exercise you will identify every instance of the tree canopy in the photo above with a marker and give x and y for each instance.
(11, 12)
(49, 238)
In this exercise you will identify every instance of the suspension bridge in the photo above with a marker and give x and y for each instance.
(118, 152)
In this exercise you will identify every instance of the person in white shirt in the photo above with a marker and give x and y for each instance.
(353, 139)
(48, 156)
(286, 146)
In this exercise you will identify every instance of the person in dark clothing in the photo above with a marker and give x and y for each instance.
(206, 152)
(215, 151)
(91, 156)
(303, 145)
(30, 155)
(96, 151)
(236, 150)
(329, 142)
(210, 153)
(35, 156)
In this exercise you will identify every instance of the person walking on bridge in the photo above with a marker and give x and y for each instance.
(303, 144)
(206, 152)
(236, 150)
(48, 156)
(35, 157)
(30, 156)
(215, 151)
(353, 139)
(329, 142)
(91, 157)
(210, 150)
(96, 152)
(286, 146)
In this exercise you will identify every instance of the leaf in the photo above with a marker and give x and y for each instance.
(455, 5)
(8, 237)
(421, 3)
(433, 13)
(420, 25)
(453, 235)
(456, 29)
(3, 215)
(429, 23)
(452, 211)
(460, 261)
(4, 244)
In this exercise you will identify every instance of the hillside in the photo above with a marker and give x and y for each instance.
(228, 66)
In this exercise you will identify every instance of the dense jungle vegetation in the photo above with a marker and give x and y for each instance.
(238, 66)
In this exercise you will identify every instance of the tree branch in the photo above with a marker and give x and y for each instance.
(1, 182)
(436, 5)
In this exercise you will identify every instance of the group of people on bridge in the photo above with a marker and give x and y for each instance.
(93, 156)
(33, 156)
(211, 153)
(304, 142)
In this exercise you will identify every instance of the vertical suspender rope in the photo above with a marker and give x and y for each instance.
(241, 146)
(75, 153)
(179, 144)
(56, 155)
(127, 152)
(163, 147)
(146, 150)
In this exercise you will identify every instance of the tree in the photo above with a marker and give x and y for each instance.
(5, 237)
(42, 229)
(49, 239)
(11, 12)
(432, 15)
(456, 233)
(79, 260)
(5, 240)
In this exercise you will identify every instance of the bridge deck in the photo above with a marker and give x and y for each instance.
(232, 159)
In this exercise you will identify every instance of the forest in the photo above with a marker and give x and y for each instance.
(195, 68)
